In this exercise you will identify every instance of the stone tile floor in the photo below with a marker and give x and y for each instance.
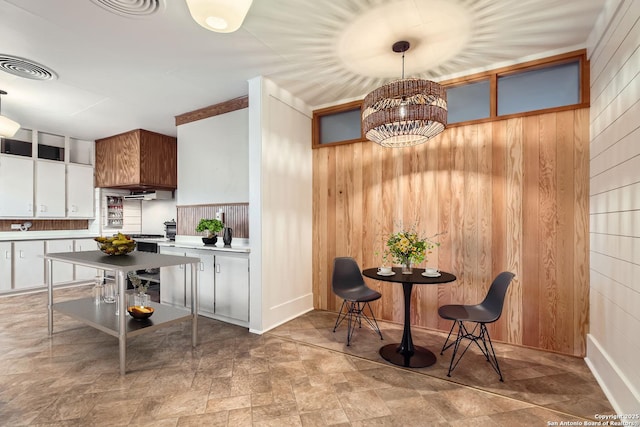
(299, 374)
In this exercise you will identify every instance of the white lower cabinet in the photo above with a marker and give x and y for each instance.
(232, 287)
(62, 271)
(205, 282)
(173, 280)
(28, 264)
(223, 284)
(5, 266)
(22, 263)
(84, 273)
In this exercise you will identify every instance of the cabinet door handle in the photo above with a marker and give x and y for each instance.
(217, 268)
(43, 208)
(30, 208)
(201, 266)
(7, 255)
(21, 253)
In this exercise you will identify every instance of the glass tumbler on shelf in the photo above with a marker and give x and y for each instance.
(97, 290)
(110, 290)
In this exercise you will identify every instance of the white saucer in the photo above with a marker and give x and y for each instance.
(425, 274)
(386, 274)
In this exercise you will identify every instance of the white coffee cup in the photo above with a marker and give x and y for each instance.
(385, 270)
(431, 270)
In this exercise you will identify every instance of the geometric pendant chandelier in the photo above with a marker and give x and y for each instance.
(404, 112)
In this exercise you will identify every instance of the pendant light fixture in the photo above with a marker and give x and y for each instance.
(8, 127)
(404, 112)
(222, 16)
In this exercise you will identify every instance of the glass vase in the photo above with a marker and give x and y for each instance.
(407, 266)
(141, 299)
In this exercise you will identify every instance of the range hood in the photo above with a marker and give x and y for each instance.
(150, 195)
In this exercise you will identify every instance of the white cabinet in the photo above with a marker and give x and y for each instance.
(28, 264)
(22, 264)
(16, 191)
(62, 271)
(85, 273)
(50, 189)
(5, 266)
(80, 197)
(206, 292)
(223, 284)
(232, 287)
(173, 280)
(59, 190)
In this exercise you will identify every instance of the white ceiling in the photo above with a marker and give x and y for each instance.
(118, 72)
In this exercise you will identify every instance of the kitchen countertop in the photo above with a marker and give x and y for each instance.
(190, 242)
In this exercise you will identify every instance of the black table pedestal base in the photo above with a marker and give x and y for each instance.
(421, 357)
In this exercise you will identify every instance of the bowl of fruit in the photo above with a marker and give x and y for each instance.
(140, 312)
(120, 244)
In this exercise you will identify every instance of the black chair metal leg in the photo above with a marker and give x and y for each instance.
(354, 314)
(481, 337)
(491, 356)
(445, 346)
(350, 323)
(340, 316)
(373, 323)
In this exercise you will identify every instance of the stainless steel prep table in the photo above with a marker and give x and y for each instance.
(103, 316)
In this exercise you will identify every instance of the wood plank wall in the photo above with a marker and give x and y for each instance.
(236, 216)
(509, 195)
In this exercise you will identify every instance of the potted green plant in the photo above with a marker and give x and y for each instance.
(211, 226)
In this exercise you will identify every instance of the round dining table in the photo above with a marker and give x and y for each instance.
(405, 353)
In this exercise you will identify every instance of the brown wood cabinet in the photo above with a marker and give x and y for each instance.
(137, 160)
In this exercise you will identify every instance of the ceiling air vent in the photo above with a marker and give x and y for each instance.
(26, 68)
(131, 8)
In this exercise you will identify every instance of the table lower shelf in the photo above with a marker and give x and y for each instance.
(103, 316)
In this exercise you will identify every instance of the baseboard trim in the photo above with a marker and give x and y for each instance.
(290, 310)
(614, 383)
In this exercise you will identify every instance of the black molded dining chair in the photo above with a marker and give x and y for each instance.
(488, 311)
(347, 283)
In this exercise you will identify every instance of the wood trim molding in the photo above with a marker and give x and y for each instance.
(213, 110)
(518, 68)
(492, 77)
(318, 114)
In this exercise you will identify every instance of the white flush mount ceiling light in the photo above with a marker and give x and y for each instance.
(222, 16)
(404, 112)
(8, 127)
